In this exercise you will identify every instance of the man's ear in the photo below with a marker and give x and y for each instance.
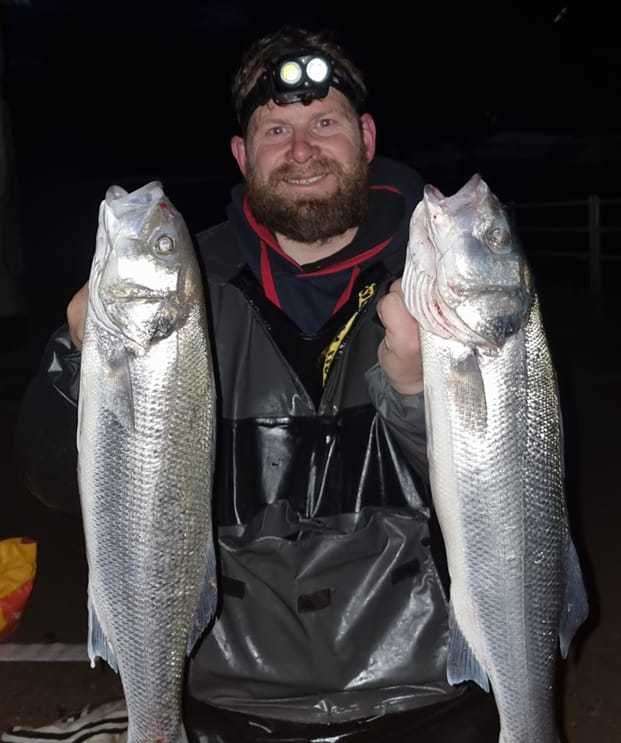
(238, 148)
(367, 127)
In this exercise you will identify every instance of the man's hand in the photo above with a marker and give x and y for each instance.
(399, 354)
(76, 315)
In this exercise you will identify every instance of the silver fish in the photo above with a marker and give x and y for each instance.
(495, 454)
(145, 455)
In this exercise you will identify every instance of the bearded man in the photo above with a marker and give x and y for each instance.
(333, 625)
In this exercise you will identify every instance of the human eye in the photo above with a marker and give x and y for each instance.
(277, 130)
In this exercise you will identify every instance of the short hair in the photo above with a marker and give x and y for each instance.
(286, 40)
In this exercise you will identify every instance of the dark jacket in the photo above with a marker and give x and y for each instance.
(333, 607)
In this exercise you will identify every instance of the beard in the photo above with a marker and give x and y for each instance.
(317, 219)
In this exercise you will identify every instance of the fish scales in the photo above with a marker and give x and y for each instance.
(146, 451)
(495, 454)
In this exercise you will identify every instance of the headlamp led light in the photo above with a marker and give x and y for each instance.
(299, 77)
(317, 69)
(290, 73)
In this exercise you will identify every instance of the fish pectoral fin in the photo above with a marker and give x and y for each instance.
(98, 645)
(461, 664)
(206, 608)
(576, 608)
(118, 390)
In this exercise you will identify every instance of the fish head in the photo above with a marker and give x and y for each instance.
(141, 283)
(482, 285)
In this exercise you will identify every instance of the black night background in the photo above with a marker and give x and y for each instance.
(101, 92)
(525, 93)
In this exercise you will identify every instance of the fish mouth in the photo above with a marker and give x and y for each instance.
(494, 297)
(494, 315)
(467, 292)
(516, 299)
(128, 292)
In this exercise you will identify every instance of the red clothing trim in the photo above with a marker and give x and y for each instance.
(264, 234)
(344, 298)
(393, 189)
(349, 263)
(268, 240)
(267, 278)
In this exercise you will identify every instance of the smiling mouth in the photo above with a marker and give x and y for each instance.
(305, 181)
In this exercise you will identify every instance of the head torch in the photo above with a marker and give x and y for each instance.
(300, 77)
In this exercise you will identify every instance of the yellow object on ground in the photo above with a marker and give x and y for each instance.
(18, 566)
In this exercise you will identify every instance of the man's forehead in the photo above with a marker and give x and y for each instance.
(335, 101)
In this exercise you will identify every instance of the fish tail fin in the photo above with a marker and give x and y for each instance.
(576, 607)
(462, 664)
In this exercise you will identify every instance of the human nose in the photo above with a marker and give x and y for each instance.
(302, 149)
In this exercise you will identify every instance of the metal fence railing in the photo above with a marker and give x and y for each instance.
(562, 219)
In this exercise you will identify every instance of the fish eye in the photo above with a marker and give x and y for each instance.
(497, 236)
(164, 245)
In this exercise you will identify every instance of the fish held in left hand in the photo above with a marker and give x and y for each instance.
(494, 438)
(146, 440)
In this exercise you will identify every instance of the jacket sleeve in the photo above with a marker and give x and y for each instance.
(405, 416)
(45, 435)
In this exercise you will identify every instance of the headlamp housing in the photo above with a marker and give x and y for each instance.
(300, 77)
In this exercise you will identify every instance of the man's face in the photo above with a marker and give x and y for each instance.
(306, 166)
